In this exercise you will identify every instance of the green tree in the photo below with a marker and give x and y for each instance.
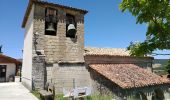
(156, 14)
(167, 67)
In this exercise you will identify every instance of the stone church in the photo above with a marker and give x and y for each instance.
(54, 52)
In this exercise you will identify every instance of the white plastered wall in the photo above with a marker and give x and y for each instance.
(27, 52)
(10, 69)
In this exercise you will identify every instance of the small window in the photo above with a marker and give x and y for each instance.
(51, 22)
(70, 26)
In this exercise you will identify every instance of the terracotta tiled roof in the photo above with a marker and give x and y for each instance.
(128, 75)
(106, 51)
(7, 59)
(47, 4)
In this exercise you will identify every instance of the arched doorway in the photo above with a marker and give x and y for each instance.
(158, 95)
(139, 96)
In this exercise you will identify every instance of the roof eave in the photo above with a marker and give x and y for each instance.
(28, 10)
(31, 2)
(10, 60)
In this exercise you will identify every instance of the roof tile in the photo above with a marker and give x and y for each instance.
(128, 75)
(107, 51)
(7, 59)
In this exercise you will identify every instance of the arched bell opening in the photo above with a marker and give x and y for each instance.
(158, 94)
(71, 26)
(51, 21)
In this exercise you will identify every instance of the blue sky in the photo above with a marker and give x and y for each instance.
(105, 25)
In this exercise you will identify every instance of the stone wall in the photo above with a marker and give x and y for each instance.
(67, 75)
(38, 61)
(63, 56)
(39, 72)
(59, 47)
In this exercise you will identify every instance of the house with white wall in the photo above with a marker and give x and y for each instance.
(8, 67)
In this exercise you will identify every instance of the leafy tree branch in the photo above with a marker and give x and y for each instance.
(156, 14)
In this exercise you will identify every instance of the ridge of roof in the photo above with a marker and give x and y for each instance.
(61, 5)
(106, 51)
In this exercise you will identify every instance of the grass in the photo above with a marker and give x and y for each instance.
(35, 93)
(60, 97)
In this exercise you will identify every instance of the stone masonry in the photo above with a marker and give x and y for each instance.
(39, 70)
(64, 60)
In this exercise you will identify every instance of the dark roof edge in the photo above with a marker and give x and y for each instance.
(31, 2)
(62, 6)
(119, 56)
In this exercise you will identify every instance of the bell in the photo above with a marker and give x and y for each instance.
(71, 29)
(50, 27)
